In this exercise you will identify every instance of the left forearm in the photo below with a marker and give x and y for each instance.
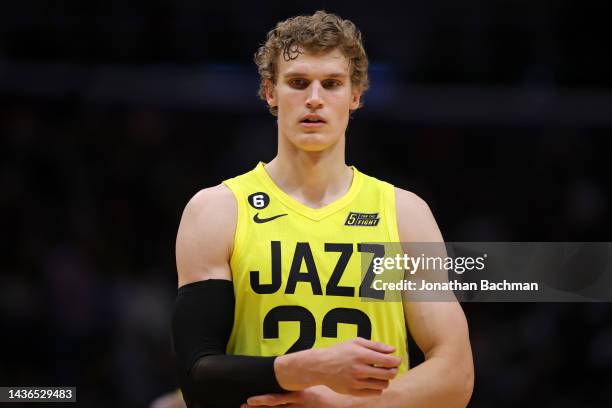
(438, 382)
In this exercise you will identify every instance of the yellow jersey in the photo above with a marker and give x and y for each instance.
(297, 270)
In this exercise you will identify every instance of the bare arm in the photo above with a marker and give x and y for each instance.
(203, 313)
(205, 238)
(440, 330)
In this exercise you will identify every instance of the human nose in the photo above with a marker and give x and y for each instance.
(314, 100)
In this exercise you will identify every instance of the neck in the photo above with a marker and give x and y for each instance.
(316, 179)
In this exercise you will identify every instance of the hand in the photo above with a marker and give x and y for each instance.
(358, 367)
(291, 399)
(170, 400)
(314, 397)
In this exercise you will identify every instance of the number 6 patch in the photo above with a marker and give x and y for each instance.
(259, 200)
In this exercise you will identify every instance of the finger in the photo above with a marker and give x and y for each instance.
(381, 360)
(375, 345)
(371, 384)
(369, 372)
(365, 392)
(262, 400)
(272, 400)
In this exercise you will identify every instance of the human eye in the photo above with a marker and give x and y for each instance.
(298, 83)
(331, 84)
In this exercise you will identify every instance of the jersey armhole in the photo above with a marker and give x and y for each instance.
(391, 210)
(393, 230)
(240, 233)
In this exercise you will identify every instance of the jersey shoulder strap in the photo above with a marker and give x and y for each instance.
(239, 185)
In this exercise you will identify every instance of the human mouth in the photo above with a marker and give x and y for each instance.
(312, 121)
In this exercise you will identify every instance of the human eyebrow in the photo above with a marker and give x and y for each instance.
(335, 75)
(292, 74)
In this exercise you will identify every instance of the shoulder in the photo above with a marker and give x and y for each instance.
(409, 202)
(415, 220)
(211, 211)
(205, 237)
(217, 200)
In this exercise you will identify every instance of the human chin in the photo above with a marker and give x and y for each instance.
(311, 141)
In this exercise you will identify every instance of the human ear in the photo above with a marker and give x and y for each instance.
(270, 91)
(355, 99)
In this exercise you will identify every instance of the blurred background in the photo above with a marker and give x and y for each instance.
(113, 114)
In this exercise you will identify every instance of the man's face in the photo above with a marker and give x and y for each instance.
(314, 97)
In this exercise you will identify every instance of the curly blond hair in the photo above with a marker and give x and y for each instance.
(320, 32)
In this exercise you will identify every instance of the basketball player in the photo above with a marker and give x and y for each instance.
(271, 304)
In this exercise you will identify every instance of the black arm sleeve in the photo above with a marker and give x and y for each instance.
(201, 326)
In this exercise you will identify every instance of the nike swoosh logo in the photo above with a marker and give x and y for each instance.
(262, 220)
